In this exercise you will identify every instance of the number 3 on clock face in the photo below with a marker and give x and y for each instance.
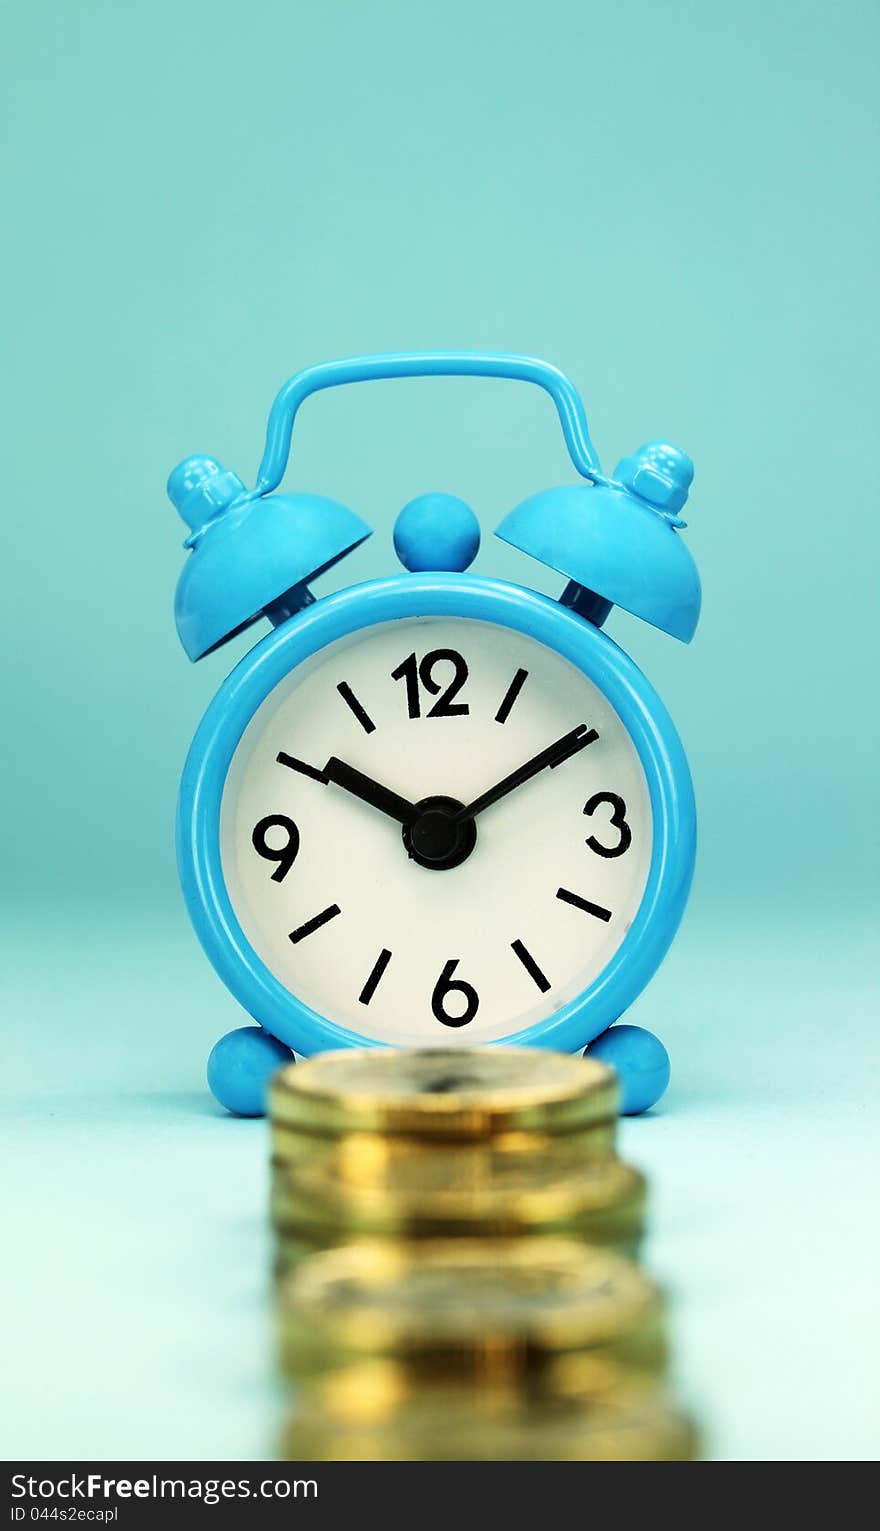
(457, 827)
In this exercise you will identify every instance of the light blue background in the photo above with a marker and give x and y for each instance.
(673, 202)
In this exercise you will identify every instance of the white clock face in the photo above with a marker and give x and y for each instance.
(450, 928)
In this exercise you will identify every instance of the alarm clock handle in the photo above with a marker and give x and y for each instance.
(361, 369)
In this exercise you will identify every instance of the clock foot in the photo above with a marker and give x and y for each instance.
(240, 1067)
(641, 1062)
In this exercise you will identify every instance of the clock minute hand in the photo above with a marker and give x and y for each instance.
(553, 755)
(370, 791)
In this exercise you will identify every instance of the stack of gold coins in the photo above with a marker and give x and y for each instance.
(454, 1234)
(477, 1349)
(444, 1144)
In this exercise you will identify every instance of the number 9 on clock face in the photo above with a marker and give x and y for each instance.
(441, 830)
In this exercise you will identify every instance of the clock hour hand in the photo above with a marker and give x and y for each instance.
(553, 755)
(370, 791)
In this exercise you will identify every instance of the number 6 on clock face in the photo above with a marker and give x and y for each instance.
(436, 827)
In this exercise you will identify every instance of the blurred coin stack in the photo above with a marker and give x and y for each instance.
(455, 1237)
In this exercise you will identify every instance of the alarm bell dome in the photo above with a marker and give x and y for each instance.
(619, 539)
(248, 552)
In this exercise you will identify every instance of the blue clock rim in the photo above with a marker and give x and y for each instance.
(395, 598)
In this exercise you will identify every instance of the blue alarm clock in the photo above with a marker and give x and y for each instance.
(435, 808)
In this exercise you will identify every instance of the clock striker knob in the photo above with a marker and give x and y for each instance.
(436, 532)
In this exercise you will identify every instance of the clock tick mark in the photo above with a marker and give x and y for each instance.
(530, 965)
(314, 923)
(355, 706)
(372, 982)
(577, 902)
(302, 766)
(511, 695)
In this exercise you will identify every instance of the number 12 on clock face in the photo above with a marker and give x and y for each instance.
(436, 830)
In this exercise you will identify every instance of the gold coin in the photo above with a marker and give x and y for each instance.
(291, 1248)
(618, 1232)
(490, 1308)
(442, 1195)
(369, 1158)
(356, 1416)
(368, 1391)
(448, 1093)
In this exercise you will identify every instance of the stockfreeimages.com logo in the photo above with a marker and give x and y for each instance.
(210, 1490)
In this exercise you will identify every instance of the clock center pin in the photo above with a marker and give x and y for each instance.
(437, 840)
